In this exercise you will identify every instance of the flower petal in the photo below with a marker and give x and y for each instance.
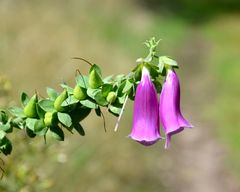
(145, 127)
(171, 117)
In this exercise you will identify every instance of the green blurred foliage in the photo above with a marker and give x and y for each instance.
(193, 11)
(225, 68)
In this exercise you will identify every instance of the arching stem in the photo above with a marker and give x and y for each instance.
(83, 60)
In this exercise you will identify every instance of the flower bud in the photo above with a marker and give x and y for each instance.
(59, 100)
(79, 93)
(50, 119)
(111, 97)
(30, 109)
(94, 80)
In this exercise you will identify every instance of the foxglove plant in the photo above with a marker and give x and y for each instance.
(145, 127)
(61, 112)
(170, 114)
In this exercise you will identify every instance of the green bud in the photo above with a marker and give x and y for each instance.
(30, 109)
(79, 93)
(94, 80)
(111, 97)
(59, 100)
(50, 119)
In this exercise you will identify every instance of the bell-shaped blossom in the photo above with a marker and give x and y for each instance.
(145, 127)
(171, 117)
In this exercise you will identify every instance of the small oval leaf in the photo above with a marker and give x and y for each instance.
(65, 119)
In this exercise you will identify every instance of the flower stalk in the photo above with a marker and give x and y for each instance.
(61, 112)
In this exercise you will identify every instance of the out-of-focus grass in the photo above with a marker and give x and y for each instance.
(224, 64)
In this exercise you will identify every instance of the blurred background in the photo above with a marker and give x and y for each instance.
(38, 40)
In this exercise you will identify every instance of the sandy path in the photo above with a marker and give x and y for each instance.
(199, 164)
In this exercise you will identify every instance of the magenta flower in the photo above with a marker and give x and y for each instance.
(169, 110)
(145, 127)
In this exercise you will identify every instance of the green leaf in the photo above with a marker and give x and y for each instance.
(100, 99)
(120, 77)
(115, 110)
(138, 72)
(89, 104)
(2, 134)
(18, 123)
(40, 111)
(57, 133)
(16, 111)
(39, 125)
(106, 88)
(65, 119)
(82, 81)
(108, 79)
(96, 68)
(3, 117)
(140, 60)
(98, 111)
(168, 61)
(5, 146)
(30, 123)
(80, 113)
(6, 127)
(92, 92)
(153, 70)
(131, 94)
(52, 93)
(120, 89)
(158, 85)
(24, 98)
(127, 86)
(78, 127)
(149, 58)
(160, 64)
(121, 99)
(42, 132)
(69, 101)
(30, 133)
(69, 89)
(47, 105)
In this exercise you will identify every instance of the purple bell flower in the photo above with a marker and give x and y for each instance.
(145, 127)
(171, 117)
